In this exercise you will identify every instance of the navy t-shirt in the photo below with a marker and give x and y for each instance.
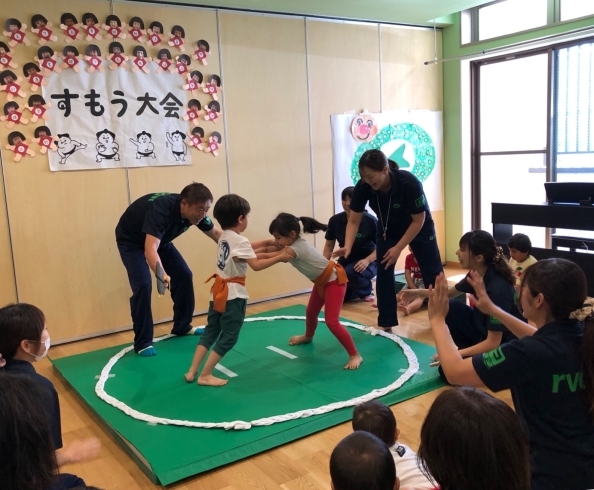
(158, 215)
(503, 294)
(364, 241)
(49, 395)
(544, 373)
(405, 198)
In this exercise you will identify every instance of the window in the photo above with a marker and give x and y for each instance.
(573, 9)
(502, 18)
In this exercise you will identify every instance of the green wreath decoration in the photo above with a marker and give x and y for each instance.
(409, 132)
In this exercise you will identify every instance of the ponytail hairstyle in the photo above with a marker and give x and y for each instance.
(563, 284)
(376, 160)
(480, 242)
(285, 223)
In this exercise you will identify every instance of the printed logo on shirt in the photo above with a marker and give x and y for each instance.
(223, 254)
(400, 451)
(493, 357)
(185, 229)
(207, 220)
(158, 194)
(573, 382)
(420, 202)
(359, 235)
(494, 321)
(396, 205)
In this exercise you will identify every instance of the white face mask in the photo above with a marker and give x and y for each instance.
(47, 346)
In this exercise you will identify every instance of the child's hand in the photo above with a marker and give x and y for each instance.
(285, 256)
(407, 295)
(481, 300)
(341, 252)
(439, 303)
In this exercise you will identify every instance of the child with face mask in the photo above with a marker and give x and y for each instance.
(24, 339)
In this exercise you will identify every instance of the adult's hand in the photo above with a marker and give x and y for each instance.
(341, 252)
(361, 265)
(391, 256)
(439, 303)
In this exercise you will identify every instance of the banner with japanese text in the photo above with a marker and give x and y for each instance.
(116, 118)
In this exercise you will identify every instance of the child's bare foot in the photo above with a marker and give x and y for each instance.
(404, 309)
(211, 380)
(299, 339)
(189, 376)
(354, 362)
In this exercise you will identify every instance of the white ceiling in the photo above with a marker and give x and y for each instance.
(413, 12)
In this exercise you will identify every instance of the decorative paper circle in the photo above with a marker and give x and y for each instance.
(413, 367)
(363, 127)
(409, 133)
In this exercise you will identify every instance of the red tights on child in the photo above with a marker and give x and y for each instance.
(333, 299)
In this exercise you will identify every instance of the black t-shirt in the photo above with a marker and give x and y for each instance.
(364, 241)
(405, 198)
(544, 373)
(49, 395)
(503, 294)
(158, 215)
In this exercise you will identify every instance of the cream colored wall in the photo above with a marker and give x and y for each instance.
(282, 78)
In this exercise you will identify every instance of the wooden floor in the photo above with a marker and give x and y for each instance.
(299, 465)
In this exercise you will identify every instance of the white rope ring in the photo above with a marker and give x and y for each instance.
(413, 367)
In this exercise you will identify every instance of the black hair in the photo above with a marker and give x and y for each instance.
(229, 208)
(7, 73)
(285, 223)
(216, 134)
(198, 130)
(13, 21)
(195, 193)
(164, 51)
(182, 135)
(116, 44)
(376, 160)
(204, 43)
(347, 192)
(362, 462)
(521, 243)
(113, 18)
(200, 76)
(27, 456)
(214, 105)
(216, 79)
(105, 131)
(87, 16)
(137, 49)
(565, 288)
(18, 322)
(38, 130)
(193, 102)
(185, 58)
(71, 49)
(67, 16)
(11, 137)
(472, 440)
(156, 24)
(7, 106)
(37, 17)
(136, 19)
(44, 49)
(28, 66)
(180, 29)
(377, 419)
(480, 242)
(95, 47)
(5, 46)
(35, 98)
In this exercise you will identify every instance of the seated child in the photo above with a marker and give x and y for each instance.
(414, 280)
(362, 462)
(376, 418)
(520, 247)
(226, 310)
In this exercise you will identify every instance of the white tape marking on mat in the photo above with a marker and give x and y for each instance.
(226, 371)
(413, 367)
(281, 352)
(111, 375)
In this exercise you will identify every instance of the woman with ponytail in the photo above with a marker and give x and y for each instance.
(398, 199)
(549, 369)
(329, 280)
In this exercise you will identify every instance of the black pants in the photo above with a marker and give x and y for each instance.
(359, 284)
(424, 246)
(66, 481)
(141, 282)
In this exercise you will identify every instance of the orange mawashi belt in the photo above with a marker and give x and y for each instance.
(220, 290)
(326, 274)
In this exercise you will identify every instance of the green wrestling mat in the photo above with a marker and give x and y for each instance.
(267, 378)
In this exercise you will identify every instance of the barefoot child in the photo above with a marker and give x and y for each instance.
(329, 280)
(414, 280)
(226, 311)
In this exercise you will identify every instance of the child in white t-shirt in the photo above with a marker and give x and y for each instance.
(229, 297)
(520, 247)
(378, 419)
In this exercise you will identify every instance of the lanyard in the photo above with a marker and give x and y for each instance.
(384, 225)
